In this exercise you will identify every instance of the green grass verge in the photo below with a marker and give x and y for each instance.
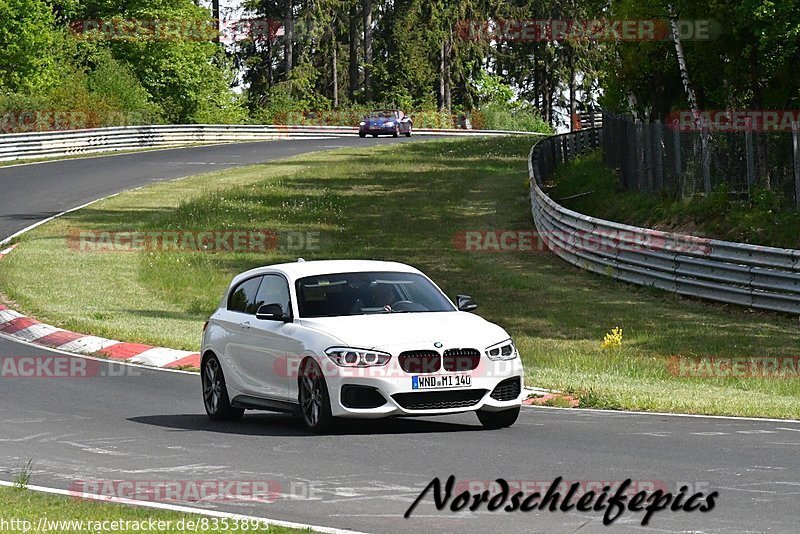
(764, 221)
(94, 154)
(65, 514)
(404, 202)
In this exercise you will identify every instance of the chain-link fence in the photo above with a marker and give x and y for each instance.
(666, 160)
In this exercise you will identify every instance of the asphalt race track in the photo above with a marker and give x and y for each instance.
(149, 425)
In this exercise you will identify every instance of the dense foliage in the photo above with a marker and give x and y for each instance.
(314, 56)
(75, 58)
(747, 64)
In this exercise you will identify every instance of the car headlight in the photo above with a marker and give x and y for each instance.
(351, 357)
(388, 124)
(502, 351)
(362, 123)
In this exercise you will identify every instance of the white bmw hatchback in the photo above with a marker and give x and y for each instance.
(359, 339)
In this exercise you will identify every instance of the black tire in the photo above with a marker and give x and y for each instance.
(396, 132)
(362, 135)
(495, 420)
(215, 394)
(408, 133)
(374, 135)
(315, 404)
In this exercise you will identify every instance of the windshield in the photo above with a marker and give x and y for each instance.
(382, 114)
(340, 294)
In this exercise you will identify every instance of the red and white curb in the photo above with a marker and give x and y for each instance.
(18, 326)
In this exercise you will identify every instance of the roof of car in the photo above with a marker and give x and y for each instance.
(302, 269)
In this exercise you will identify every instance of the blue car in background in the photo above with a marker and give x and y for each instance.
(385, 122)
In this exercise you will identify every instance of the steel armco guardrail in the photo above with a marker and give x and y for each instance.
(77, 142)
(735, 273)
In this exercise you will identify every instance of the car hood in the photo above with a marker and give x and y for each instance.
(371, 121)
(406, 331)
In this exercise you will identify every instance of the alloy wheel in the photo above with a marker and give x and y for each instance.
(311, 396)
(212, 385)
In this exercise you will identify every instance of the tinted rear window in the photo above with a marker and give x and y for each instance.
(243, 296)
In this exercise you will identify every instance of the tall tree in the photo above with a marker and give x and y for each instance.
(352, 60)
(335, 69)
(368, 49)
(683, 67)
(288, 36)
(215, 18)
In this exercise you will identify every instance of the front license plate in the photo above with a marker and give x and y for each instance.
(441, 381)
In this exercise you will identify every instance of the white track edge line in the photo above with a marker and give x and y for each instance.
(665, 414)
(589, 410)
(101, 155)
(52, 218)
(109, 153)
(31, 227)
(126, 152)
(181, 509)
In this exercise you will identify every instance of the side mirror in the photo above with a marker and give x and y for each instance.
(272, 312)
(466, 303)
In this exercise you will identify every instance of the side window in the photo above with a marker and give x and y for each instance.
(273, 290)
(243, 296)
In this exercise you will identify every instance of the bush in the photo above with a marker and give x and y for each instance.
(290, 101)
(30, 47)
(115, 84)
(500, 110)
(498, 116)
(94, 90)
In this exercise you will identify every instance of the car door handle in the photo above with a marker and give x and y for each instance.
(245, 324)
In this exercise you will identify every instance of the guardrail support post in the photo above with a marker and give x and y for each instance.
(647, 152)
(751, 168)
(676, 139)
(658, 156)
(640, 164)
(796, 153)
(706, 157)
(631, 161)
(572, 144)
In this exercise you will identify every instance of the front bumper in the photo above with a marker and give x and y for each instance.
(402, 399)
(372, 130)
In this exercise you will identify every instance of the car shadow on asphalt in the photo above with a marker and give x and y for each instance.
(268, 424)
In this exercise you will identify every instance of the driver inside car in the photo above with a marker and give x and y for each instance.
(383, 295)
(375, 297)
